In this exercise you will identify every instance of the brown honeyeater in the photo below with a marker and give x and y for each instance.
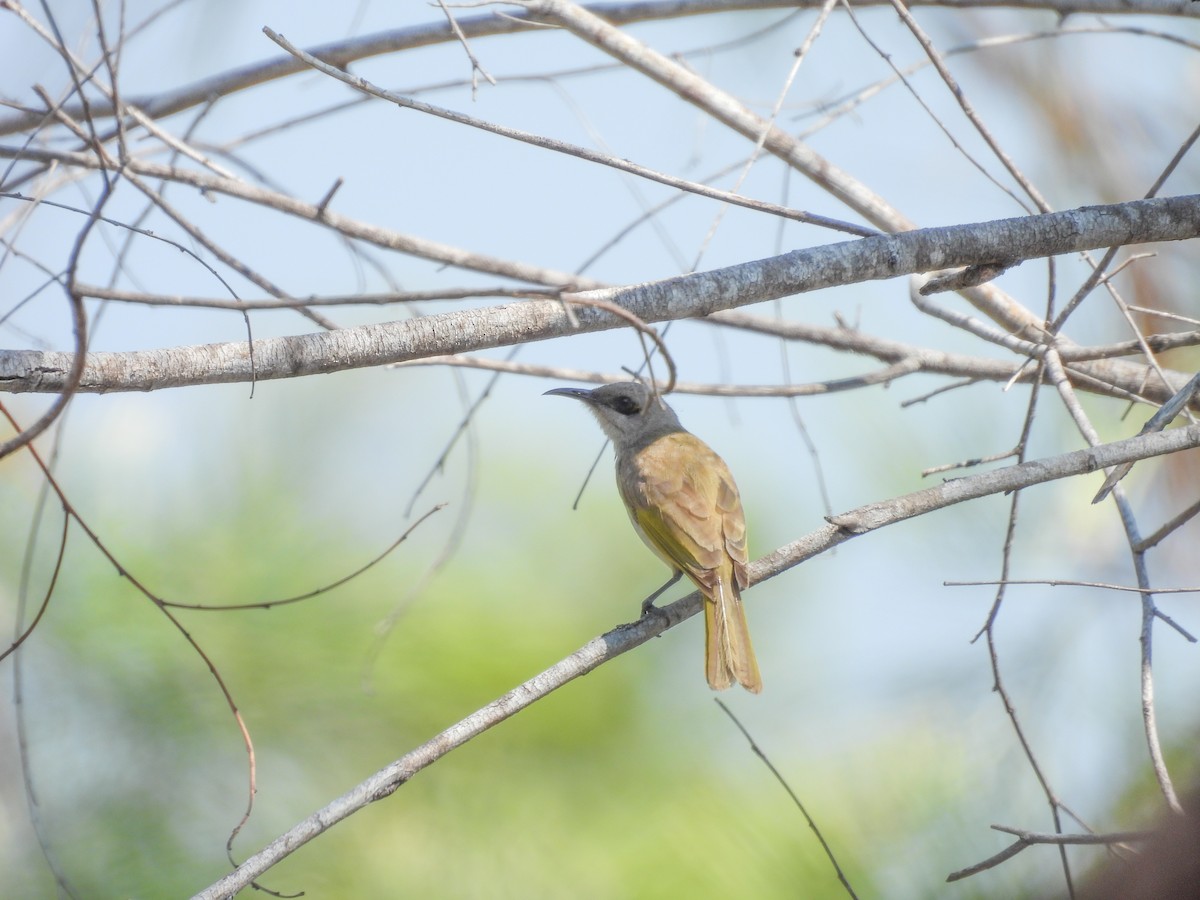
(685, 506)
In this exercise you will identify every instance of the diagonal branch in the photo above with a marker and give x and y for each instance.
(605, 159)
(344, 52)
(624, 638)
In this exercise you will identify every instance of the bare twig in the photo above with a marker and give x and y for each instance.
(623, 165)
(1157, 422)
(883, 376)
(387, 298)
(70, 511)
(315, 592)
(758, 751)
(1169, 528)
(1032, 838)
(1149, 610)
(967, 107)
(813, 32)
(476, 67)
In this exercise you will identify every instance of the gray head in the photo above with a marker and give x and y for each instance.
(628, 412)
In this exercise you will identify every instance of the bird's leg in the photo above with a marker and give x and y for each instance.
(648, 604)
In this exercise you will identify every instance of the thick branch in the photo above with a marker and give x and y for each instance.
(699, 294)
(345, 52)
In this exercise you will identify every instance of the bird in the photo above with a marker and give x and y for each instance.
(685, 506)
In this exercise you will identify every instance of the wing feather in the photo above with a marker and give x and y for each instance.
(684, 504)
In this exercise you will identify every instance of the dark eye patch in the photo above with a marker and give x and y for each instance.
(626, 406)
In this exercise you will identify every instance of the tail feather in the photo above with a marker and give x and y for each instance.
(728, 653)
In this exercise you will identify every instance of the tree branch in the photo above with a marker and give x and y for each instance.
(699, 294)
(345, 52)
(1030, 838)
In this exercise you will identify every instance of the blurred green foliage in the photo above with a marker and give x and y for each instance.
(629, 782)
(604, 789)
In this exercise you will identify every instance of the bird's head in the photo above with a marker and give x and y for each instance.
(628, 411)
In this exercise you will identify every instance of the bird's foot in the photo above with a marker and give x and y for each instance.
(649, 610)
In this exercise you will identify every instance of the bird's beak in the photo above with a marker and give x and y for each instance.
(575, 393)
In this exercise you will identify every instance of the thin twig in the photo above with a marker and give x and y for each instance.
(883, 376)
(476, 66)
(967, 107)
(361, 84)
(1032, 838)
(758, 751)
(1169, 528)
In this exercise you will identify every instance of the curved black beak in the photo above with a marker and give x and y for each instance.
(574, 393)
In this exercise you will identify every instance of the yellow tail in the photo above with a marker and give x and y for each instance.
(728, 653)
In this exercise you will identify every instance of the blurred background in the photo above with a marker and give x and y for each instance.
(878, 708)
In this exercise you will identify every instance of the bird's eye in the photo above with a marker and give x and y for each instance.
(626, 406)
